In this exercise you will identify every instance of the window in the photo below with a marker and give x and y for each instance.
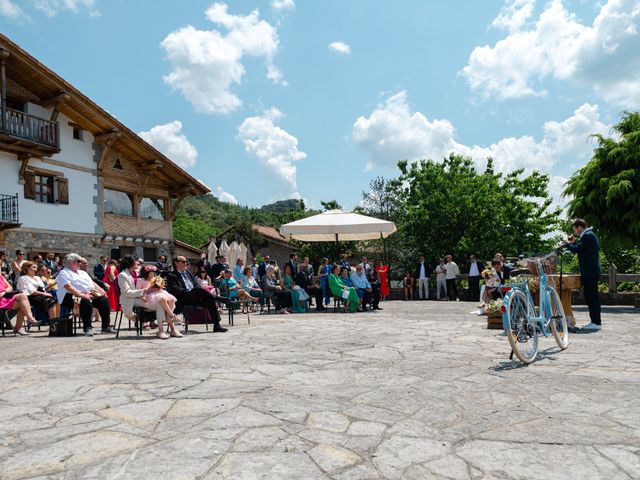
(46, 187)
(78, 133)
(152, 208)
(149, 254)
(117, 165)
(16, 104)
(116, 202)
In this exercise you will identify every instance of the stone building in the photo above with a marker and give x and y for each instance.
(73, 177)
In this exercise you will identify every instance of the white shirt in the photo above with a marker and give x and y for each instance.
(79, 280)
(423, 271)
(440, 275)
(452, 270)
(28, 284)
(473, 271)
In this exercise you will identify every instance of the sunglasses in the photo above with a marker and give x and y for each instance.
(182, 261)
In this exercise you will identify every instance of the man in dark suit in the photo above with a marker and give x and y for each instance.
(182, 285)
(305, 279)
(217, 268)
(98, 270)
(262, 268)
(293, 263)
(585, 243)
(475, 270)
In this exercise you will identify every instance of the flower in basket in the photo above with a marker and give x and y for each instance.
(157, 282)
(494, 307)
(486, 273)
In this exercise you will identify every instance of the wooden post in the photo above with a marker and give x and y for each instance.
(3, 77)
(613, 272)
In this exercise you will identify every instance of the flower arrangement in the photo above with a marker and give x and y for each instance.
(486, 273)
(494, 307)
(157, 282)
(532, 282)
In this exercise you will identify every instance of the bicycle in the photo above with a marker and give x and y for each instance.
(522, 322)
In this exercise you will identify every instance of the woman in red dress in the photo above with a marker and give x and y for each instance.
(382, 270)
(111, 279)
(19, 302)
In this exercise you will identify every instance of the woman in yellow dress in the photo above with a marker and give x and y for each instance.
(338, 289)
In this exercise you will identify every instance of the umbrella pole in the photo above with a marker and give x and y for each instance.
(337, 249)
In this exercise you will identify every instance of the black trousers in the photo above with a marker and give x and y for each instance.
(474, 288)
(452, 288)
(375, 293)
(201, 298)
(87, 306)
(282, 300)
(592, 297)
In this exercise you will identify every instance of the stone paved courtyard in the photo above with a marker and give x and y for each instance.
(419, 391)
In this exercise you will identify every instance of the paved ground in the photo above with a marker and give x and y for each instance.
(419, 391)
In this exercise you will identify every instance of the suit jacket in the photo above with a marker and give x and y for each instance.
(216, 269)
(98, 271)
(294, 267)
(426, 270)
(480, 267)
(588, 250)
(262, 269)
(177, 287)
(128, 291)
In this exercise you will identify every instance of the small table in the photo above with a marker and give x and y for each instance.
(569, 283)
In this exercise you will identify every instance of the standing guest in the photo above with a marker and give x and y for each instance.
(203, 263)
(146, 292)
(75, 282)
(272, 289)
(163, 266)
(262, 268)
(139, 265)
(441, 278)
(217, 268)
(341, 290)
(383, 271)
(238, 270)
(111, 279)
(16, 265)
(310, 270)
(254, 268)
(585, 243)
(182, 285)
(100, 269)
(475, 269)
(452, 277)
(407, 283)
(293, 262)
(374, 280)
(344, 262)
(34, 288)
(51, 264)
(362, 286)
(250, 285)
(422, 278)
(324, 270)
(5, 266)
(10, 300)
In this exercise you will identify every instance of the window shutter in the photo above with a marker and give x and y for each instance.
(29, 185)
(63, 190)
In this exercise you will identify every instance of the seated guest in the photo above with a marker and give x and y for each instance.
(492, 282)
(50, 284)
(203, 279)
(407, 281)
(182, 285)
(250, 285)
(163, 266)
(271, 289)
(362, 285)
(9, 300)
(235, 291)
(217, 268)
(238, 270)
(298, 296)
(50, 262)
(100, 269)
(340, 290)
(5, 266)
(75, 282)
(146, 292)
(304, 278)
(34, 288)
(16, 264)
(346, 279)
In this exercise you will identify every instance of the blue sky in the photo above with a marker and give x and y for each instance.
(253, 100)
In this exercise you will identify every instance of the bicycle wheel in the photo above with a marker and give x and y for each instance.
(522, 334)
(559, 326)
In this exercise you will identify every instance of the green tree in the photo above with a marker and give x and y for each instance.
(448, 207)
(191, 230)
(331, 205)
(606, 191)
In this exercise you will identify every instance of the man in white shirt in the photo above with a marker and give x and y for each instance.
(422, 276)
(441, 278)
(75, 282)
(362, 285)
(475, 269)
(452, 275)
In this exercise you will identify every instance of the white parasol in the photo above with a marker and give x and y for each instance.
(336, 225)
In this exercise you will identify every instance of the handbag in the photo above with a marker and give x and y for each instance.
(345, 294)
(61, 327)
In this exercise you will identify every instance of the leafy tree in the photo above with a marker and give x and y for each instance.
(606, 191)
(331, 205)
(191, 230)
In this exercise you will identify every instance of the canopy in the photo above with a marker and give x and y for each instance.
(224, 248)
(336, 225)
(212, 251)
(234, 253)
(243, 254)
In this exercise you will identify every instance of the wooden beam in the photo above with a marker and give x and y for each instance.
(103, 154)
(184, 190)
(106, 136)
(24, 158)
(54, 114)
(147, 167)
(56, 100)
(174, 208)
(4, 54)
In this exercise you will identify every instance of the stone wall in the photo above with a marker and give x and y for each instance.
(278, 252)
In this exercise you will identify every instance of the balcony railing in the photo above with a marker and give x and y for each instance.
(9, 209)
(31, 128)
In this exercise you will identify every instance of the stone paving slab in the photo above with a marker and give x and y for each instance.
(421, 390)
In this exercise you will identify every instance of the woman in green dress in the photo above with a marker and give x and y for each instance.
(338, 288)
(299, 304)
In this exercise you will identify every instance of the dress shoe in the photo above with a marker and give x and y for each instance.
(219, 329)
(22, 332)
(163, 335)
(176, 334)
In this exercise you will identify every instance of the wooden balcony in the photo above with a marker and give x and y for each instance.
(9, 217)
(24, 133)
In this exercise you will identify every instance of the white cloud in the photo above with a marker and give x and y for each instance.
(340, 47)
(170, 140)
(206, 63)
(275, 148)
(10, 9)
(225, 196)
(393, 132)
(52, 7)
(280, 5)
(603, 55)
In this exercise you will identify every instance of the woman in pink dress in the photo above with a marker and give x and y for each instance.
(18, 302)
(146, 277)
(382, 270)
(111, 279)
